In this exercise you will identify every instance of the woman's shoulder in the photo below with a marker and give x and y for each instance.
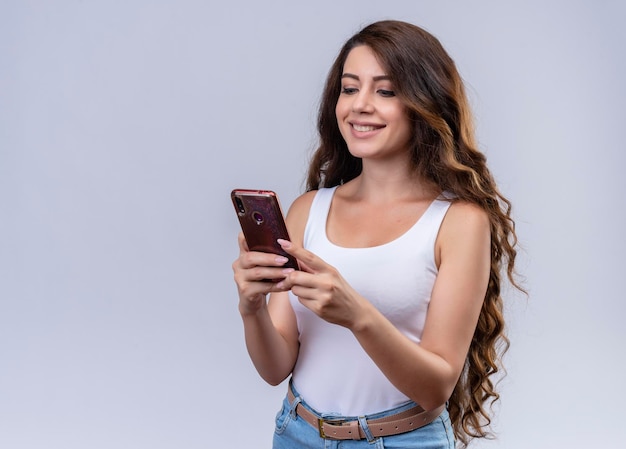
(302, 203)
(466, 229)
(464, 221)
(298, 215)
(465, 214)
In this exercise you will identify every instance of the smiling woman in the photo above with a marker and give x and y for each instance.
(392, 327)
(372, 119)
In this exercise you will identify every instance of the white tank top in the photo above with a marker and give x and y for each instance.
(333, 373)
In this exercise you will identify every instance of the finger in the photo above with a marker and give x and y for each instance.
(300, 279)
(243, 245)
(270, 278)
(310, 262)
(260, 279)
(253, 259)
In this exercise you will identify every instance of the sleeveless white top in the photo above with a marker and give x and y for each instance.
(333, 373)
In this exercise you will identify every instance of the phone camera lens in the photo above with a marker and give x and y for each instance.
(257, 217)
(239, 205)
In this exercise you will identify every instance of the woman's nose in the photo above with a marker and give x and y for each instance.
(362, 102)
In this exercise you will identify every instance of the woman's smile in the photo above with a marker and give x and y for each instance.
(372, 120)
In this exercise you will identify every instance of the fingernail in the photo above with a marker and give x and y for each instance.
(281, 259)
(280, 284)
(284, 243)
(288, 270)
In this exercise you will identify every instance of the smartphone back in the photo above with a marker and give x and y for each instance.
(262, 222)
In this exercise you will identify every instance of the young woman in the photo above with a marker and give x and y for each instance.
(393, 326)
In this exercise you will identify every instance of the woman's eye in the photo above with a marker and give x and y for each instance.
(386, 93)
(348, 90)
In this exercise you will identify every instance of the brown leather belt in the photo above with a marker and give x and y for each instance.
(342, 429)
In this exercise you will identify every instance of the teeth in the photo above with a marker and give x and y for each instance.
(363, 128)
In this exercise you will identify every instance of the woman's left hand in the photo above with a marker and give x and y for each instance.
(322, 289)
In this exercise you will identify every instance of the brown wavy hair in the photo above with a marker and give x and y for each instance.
(444, 152)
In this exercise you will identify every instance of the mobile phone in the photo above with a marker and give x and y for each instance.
(262, 222)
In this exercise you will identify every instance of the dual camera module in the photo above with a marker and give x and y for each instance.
(256, 216)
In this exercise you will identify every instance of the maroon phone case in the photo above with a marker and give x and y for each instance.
(262, 222)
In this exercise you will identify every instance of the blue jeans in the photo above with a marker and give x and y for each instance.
(293, 432)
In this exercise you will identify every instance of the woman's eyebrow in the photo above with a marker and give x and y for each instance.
(353, 76)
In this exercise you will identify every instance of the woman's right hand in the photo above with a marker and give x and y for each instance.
(252, 269)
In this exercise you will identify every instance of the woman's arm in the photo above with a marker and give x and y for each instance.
(272, 338)
(270, 327)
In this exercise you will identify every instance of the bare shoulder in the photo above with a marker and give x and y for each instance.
(466, 215)
(302, 204)
(298, 215)
(466, 226)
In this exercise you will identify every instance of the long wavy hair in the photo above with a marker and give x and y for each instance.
(444, 152)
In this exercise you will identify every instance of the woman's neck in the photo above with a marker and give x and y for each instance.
(385, 187)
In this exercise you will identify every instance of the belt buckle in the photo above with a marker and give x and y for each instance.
(332, 422)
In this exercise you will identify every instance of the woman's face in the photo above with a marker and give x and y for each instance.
(372, 120)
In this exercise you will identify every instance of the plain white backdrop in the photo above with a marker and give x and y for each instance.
(125, 124)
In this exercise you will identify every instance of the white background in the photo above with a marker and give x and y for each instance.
(125, 124)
